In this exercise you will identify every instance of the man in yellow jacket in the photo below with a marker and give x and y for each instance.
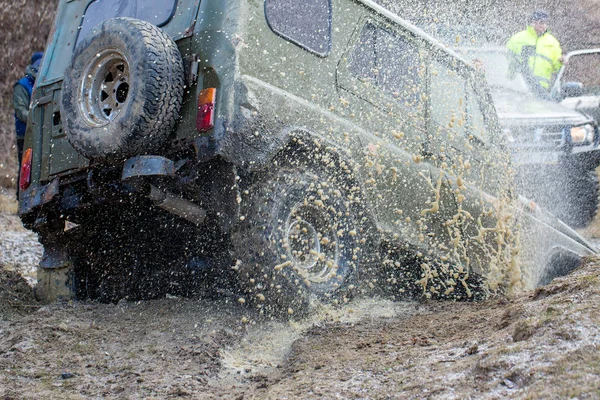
(538, 50)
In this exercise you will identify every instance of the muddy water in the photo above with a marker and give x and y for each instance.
(265, 344)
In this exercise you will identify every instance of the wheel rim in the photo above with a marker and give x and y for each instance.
(312, 245)
(105, 87)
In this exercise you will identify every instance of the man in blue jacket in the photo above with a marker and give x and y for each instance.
(21, 98)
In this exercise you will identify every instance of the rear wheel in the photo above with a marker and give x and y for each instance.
(55, 272)
(302, 236)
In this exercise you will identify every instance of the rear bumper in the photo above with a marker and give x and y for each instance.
(36, 196)
(146, 181)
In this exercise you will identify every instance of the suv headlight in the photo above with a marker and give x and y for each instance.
(582, 134)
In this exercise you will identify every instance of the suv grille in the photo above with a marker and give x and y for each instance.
(548, 136)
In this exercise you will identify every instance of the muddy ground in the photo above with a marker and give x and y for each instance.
(542, 344)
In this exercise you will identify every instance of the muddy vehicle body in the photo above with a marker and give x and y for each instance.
(555, 148)
(290, 146)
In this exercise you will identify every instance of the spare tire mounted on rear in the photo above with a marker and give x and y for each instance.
(123, 91)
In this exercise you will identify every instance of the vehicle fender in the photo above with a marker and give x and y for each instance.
(289, 139)
(293, 140)
(250, 139)
(286, 139)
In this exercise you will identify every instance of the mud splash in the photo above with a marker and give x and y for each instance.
(266, 344)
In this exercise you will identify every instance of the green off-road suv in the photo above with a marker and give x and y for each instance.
(301, 149)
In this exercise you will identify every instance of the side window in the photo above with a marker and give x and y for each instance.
(448, 99)
(390, 62)
(476, 121)
(306, 23)
(157, 12)
(363, 62)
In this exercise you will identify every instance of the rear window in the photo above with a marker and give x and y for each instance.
(157, 12)
(306, 23)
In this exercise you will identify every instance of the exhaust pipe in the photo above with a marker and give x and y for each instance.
(176, 205)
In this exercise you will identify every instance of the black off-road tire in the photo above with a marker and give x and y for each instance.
(579, 200)
(287, 214)
(560, 264)
(588, 194)
(123, 90)
(402, 277)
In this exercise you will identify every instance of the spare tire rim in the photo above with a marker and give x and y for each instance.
(312, 244)
(105, 87)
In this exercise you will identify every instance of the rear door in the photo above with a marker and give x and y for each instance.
(75, 19)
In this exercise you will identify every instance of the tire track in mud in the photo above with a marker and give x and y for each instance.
(160, 347)
(266, 344)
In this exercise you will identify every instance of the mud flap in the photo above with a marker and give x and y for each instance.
(55, 275)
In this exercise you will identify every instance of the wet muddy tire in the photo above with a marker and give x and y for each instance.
(123, 90)
(301, 237)
(560, 264)
(580, 199)
(587, 192)
(55, 272)
(402, 278)
(56, 282)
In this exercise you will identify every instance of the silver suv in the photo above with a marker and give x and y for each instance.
(554, 146)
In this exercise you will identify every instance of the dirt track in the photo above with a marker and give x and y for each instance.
(540, 345)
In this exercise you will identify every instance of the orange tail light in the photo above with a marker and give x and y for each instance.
(205, 120)
(25, 176)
